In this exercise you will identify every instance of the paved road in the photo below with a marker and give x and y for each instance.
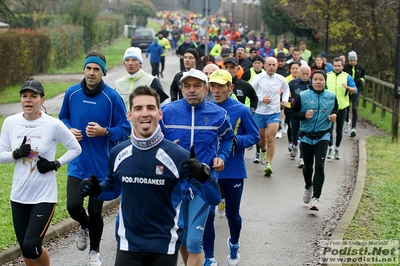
(278, 228)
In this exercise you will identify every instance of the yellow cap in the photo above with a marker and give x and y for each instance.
(220, 76)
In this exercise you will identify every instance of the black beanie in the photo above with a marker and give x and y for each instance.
(194, 53)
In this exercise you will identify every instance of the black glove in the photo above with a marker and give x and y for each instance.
(90, 187)
(193, 168)
(23, 151)
(44, 165)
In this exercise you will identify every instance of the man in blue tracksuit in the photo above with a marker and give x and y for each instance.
(191, 121)
(147, 171)
(155, 50)
(231, 179)
(96, 115)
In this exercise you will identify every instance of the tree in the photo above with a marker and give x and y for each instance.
(84, 13)
(186, 4)
(141, 9)
(367, 26)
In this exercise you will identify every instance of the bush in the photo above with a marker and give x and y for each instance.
(66, 44)
(23, 53)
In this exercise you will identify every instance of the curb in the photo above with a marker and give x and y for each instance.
(351, 209)
(54, 231)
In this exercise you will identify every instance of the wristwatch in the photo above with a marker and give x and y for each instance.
(206, 169)
(58, 165)
(107, 133)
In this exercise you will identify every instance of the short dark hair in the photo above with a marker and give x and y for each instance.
(338, 59)
(144, 90)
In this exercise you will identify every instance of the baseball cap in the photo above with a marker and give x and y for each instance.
(32, 85)
(221, 76)
(253, 48)
(231, 60)
(194, 73)
(225, 52)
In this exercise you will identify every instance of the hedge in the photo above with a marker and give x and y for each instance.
(23, 53)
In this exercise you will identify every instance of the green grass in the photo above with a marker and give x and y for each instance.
(378, 216)
(11, 95)
(383, 123)
(113, 53)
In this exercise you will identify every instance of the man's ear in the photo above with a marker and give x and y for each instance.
(231, 88)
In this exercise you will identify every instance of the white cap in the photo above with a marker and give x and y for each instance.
(194, 73)
(133, 52)
(251, 42)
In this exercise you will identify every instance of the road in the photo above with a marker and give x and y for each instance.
(278, 228)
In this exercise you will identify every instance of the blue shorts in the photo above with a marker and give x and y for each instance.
(262, 121)
(194, 213)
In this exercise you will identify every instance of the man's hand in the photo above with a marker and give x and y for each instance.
(193, 168)
(267, 100)
(218, 164)
(90, 187)
(309, 114)
(332, 118)
(77, 133)
(23, 150)
(44, 165)
(93, 129)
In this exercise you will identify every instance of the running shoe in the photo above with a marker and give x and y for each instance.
(293, 153)
(263, 158)
(233, 256)
(314, 204)
(95, 258)
(330, 154)
(300, 163)
(346, 126)
(307, 195)
(257, 158)
(279, 134)
(210, 262)
(337, 155)
(268, 170)
(220, 209)
(82, 238)
(353, 133)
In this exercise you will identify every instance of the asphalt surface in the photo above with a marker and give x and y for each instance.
(278, 228)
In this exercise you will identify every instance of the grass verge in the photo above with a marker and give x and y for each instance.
(113, 53)
(378, 216)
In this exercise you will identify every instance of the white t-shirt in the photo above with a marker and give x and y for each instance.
(266, 85)
(29, 186)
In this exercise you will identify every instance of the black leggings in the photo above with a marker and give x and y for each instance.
(289, 126)
(317, 151)
(341, 116)
(78, 212)
(354, 100)
(31, 222)
(162, 63)
(155, 68)
(145, 259)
